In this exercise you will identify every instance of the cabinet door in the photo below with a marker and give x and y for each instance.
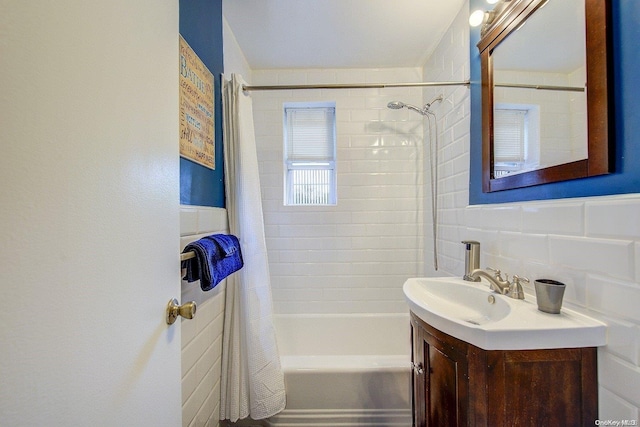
(440, 378)
(446, 384)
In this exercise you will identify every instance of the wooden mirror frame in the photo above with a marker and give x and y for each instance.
(511, 16)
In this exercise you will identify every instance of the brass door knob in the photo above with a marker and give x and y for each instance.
(186, 310)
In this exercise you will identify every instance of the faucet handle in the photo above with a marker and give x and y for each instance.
(496, 272)
(518, 279)
(515, 290)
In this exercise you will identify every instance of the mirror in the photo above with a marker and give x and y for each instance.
(544, 92)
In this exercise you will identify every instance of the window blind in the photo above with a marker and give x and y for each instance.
(509, 135)
(310, 155)
(310, 134)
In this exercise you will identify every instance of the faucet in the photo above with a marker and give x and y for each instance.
(496, 283)
(499, 285)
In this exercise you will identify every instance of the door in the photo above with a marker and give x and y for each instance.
(89, 225)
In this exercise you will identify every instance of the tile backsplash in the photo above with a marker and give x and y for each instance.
(202, 335)
(583, 243)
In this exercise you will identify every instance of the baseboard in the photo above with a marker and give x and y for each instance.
(340, 417)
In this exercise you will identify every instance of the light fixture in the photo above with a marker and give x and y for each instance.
(477, 18)
(486, 17)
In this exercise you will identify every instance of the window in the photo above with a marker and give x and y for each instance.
(310, 154)
(516, 140)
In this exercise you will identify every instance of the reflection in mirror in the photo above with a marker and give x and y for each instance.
(537, 128)
(545, 98)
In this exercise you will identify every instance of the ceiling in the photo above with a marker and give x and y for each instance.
(338, 33)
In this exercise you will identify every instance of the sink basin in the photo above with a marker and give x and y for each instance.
(470, 311)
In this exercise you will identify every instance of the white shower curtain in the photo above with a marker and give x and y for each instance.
(252, 382)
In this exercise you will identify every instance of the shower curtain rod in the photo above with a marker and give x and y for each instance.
(249, 88)
(540, 87)
(353, 86)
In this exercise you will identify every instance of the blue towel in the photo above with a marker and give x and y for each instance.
(217, 256)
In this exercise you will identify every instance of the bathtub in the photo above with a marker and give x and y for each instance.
(347, 370)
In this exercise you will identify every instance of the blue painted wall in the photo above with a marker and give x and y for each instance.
(201, 27)
(626, 178)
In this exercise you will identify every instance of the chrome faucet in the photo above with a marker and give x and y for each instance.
(496, 282)
(500, 285)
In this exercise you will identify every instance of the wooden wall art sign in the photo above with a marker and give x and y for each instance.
(197, 141)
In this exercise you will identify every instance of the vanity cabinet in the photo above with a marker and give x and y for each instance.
(458, 384)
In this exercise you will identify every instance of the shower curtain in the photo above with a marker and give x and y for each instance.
(252, 382)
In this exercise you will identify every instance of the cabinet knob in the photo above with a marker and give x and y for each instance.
(417, 368)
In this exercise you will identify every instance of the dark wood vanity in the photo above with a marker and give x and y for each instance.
(458, 384)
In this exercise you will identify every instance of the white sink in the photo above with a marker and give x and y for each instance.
(464, 310)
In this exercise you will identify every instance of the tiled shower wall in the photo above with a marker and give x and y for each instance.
(448, 62)
(591, 244)
(353, 257)
(202, 335)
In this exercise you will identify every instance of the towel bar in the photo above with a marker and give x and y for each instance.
(187, 255)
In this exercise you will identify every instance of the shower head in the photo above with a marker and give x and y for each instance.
(397, 105)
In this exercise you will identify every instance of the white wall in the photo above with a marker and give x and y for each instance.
(234, 60)
(89, 222)
(591, 244)
(353, 257)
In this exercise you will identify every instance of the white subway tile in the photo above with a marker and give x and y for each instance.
(322, 77)
(623, 339)
(607, 257)
(212, 220)
(637, 261)
(190, 381)
(613, 407)
(615, 218)
(620, 377)
(493, 218)
(524, 246)
(188, 221)
(553, 218)
(614, 298)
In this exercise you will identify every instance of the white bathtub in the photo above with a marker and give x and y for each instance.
(347, 370)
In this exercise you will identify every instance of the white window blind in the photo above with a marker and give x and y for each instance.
(509, 131)
(310, 177)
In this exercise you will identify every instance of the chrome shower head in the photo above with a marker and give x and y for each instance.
(395, 105)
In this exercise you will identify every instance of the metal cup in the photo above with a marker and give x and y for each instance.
(549, 295)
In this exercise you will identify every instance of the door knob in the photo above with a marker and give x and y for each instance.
(186, 310)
